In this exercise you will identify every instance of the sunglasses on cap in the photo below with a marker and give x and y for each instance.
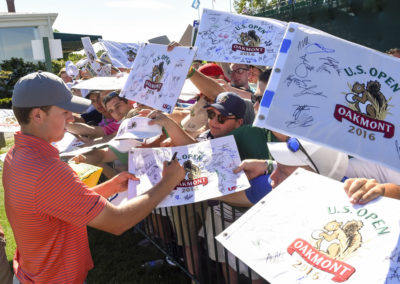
(220, 118)
(294, 145)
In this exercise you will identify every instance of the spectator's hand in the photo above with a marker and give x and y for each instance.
(172, 45)
(120, 181)
(173, 172)
(252, 168)
(144, 112)
(78, 159)
(167, 143)
(88, 141)
(158, 118)
(362, 190)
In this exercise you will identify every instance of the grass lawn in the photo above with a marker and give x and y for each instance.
(117, 259)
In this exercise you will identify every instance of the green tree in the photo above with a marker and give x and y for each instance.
(251, 7)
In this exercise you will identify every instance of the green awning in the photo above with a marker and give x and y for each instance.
(72, 42)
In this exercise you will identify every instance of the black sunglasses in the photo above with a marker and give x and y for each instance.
(220, 118)
(294, 145)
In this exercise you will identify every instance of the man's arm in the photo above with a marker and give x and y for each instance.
(96, 157)
(228, 88)
(114, 185)
(86, 130)
(178, 136)
(117, 220)
(78, 118)
(238, 199)
(206, 85)
(253, 168)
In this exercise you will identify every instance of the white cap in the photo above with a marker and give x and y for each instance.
(124, 145)
(137, 128)
(329, 162)
(81, 62)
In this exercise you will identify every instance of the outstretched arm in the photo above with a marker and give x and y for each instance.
(206, 85)
(178, 136)
(96, 157)
(86, 130)
(254, 168)
(117, 220)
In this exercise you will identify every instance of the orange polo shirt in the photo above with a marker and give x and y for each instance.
(48, 208)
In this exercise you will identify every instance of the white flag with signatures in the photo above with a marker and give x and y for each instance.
(121, 54)
(232, 38)
(307, 231)
(336, 93)
(208, 165)
(157, 75)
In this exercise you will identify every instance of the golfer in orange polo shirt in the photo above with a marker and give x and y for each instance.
(47, 205)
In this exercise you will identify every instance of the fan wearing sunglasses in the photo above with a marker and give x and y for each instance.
(226, 114)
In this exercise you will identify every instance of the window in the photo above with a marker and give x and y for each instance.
(16, 42)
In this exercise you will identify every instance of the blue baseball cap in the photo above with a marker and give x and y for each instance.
(228, 103)
(46, 89)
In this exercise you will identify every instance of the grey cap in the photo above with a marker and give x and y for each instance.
(46, 89)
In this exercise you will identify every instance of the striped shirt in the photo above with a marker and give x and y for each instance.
(48, 208)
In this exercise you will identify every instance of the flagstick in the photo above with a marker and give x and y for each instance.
(230, 5)
(212, 3)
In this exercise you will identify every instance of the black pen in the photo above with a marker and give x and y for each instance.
(173, 158)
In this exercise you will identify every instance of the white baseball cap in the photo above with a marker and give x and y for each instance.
(330, 163)
(137, 128)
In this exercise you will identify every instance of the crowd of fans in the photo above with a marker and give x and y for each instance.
(49, 207)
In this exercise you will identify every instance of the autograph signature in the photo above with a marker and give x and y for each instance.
(298, 82)
(301, 117)
(318, 48)
(397, 148)
(188, 196)
(308, 90)
(304, 67)
(329, 63)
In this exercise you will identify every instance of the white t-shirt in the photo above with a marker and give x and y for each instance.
(358, 168)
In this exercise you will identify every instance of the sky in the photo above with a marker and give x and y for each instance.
(121, 20)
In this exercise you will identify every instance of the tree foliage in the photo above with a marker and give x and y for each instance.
(13, 69)
(251, 7)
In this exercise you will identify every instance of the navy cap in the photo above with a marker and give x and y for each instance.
(46, 89)
(228, 103)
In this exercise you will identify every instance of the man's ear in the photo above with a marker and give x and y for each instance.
(36, 114)
(240, 120)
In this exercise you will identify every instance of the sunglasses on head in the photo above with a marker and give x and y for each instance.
(220, 118)
(294, 145)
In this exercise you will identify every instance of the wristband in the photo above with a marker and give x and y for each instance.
(270, 167)
(191, 72)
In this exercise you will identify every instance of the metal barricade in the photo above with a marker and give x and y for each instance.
(186, 236)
